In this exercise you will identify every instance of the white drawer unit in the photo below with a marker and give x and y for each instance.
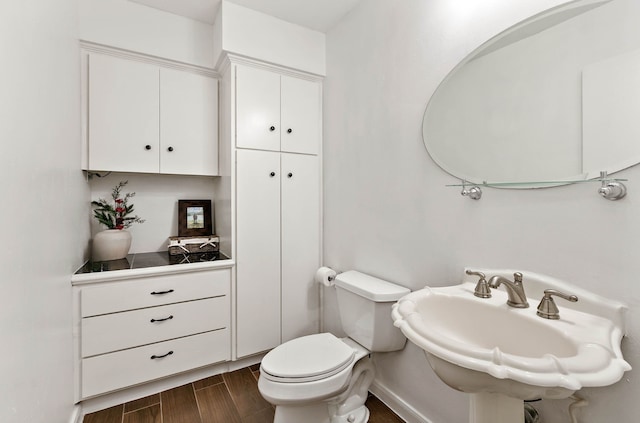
(153, 291)
(136, 330)
(109, 372)
(118, 331)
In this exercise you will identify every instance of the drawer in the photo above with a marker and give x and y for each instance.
(118, 331)
(153, 291)
(109, 372)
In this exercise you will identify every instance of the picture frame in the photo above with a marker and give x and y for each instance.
(194, 218)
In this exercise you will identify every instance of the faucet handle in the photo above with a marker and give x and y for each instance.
(548, 308)
(482, 287)
(517, 277)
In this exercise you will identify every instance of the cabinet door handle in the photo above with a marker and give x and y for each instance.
(272, 174)
(170, 149)
(161, 320)
(153, 357)
(272, 128)
(289, 131)
(147, 147)
(289, 175)
(161, 292)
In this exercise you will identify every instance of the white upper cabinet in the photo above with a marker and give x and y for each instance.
(188, 123)
(123, 101)
(300, 115)
(277, 112)
(150, 119)
(258, 109)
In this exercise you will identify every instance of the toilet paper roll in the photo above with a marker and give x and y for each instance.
(325, 276)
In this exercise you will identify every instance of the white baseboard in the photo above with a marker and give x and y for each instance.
(399, 406)
(76, 414)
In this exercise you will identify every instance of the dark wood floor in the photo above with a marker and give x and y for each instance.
(228, 398)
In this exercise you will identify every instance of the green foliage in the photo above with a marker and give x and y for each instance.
(116, 215)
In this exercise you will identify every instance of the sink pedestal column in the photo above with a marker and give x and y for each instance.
(495, 408)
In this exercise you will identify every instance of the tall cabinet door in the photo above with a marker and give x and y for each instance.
(123, 115)
(300, 115)
(258, 251)
(188, 123)
(257, 109)
(300, 243)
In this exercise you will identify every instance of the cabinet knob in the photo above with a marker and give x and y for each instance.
(289, 131)
(147, 147)
(272, 128)
(272, 174)
(170, 149)
(289, 175)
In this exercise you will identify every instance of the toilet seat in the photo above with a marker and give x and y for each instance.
(307, 359)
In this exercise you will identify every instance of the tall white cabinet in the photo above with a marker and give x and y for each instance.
(274, 130)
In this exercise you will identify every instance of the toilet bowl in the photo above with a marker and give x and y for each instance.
(324, 379)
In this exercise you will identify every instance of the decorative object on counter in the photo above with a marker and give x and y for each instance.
(114, 243)
(196, 257)
(179, 245)
(194, 218)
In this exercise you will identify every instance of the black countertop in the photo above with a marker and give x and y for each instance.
(143, 260)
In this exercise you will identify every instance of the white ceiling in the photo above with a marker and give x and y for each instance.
(320, 15)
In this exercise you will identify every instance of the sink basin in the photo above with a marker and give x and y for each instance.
(478, 345)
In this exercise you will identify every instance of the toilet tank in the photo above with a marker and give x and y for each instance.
(365, 304)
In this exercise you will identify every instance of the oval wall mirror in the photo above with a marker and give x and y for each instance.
(554, 98)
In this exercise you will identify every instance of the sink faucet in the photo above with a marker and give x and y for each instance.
(515, 289)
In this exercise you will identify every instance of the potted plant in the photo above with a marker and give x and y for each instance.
(114, 242)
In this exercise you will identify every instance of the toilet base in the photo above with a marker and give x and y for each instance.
(347, 407)
(318, 413)
(359, 415)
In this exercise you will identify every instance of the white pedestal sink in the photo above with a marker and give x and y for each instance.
(503, 355)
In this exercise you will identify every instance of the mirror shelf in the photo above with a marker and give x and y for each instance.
(610, 189)
(534, 184)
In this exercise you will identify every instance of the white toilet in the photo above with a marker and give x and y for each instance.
(323, 379)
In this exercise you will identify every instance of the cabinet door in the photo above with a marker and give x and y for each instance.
(257, 109)
(123, 115)
(258, 251)
(300, 216)
(188, 123)
(301, 114)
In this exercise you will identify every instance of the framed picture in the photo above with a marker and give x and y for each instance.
(194, 218)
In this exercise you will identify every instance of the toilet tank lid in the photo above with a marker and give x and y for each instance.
(370, 287)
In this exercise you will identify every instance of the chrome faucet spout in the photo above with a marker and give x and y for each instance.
(515, 289)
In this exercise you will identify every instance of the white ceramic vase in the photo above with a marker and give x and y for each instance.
(111, 244)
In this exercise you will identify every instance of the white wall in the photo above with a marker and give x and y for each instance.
(156, 201)
(44, 207)
(132, 26)
(246, 32)
(388, 212)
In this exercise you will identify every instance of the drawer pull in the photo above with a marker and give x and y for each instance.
(153, 357)
(161, 320)
(161, 292)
